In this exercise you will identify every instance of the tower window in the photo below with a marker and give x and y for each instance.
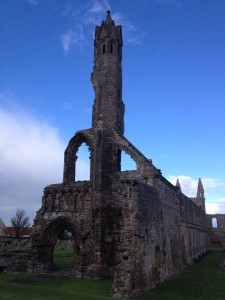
(103, 48)
(214, 223)
(111, 48)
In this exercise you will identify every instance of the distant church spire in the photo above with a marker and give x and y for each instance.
(200, 190)
(178, 184)
(108, 17)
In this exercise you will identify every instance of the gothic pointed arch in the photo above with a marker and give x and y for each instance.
(49, 235)
(52, 229)
(127, 151)
(124, 145)
(70, 157)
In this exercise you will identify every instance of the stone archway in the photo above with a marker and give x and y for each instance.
(70, 154)
(49, 236)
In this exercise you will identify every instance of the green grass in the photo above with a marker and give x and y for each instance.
(200, 281)
(57, 289)
(63, 258)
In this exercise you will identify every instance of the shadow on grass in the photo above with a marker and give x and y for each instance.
(202, 281)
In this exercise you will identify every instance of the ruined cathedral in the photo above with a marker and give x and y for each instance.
(132, 226)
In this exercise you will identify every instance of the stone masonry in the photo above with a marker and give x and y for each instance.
(132, 226)
(217, 233)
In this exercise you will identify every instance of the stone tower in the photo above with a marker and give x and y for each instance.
(133, 226)
(200, 197)
(85, 208)
(108, 108)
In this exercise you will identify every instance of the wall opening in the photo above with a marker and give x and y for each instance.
(59, 239)
(82, 166)
(63, 254)
(214, 223)
(127, 163)
(103, 49)
(156, 268)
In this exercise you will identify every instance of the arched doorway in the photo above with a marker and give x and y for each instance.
(50, 237)
(64, 254)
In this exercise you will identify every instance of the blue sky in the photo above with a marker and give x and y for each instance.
(173, 90)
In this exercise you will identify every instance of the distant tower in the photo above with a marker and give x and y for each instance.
(200, 199)
(200, 190)
(178, 184)
(201, 195)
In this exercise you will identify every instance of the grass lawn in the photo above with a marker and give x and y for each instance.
(56, 289)
(201, 281)
(63, 258)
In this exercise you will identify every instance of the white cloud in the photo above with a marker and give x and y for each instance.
(72, 38)
(67, 10)
(169, 2)
(84, 19)
(90, 13)
(212, 182)
(130, 32)
(211, 186)
(31, 157)
(32, 2)
(67, 41)
(216, 207)
(189, 185)
(98, 6)
(67, 105)
(31, 154)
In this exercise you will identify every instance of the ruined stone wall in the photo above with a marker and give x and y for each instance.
(137, 238)
(157, 238)
(2, 228)
(195, 231)
(216, 225)
(170, 256)
(64, 207)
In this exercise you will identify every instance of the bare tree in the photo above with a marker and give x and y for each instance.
(19, 222)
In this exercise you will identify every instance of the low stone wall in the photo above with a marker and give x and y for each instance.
(14, 243)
